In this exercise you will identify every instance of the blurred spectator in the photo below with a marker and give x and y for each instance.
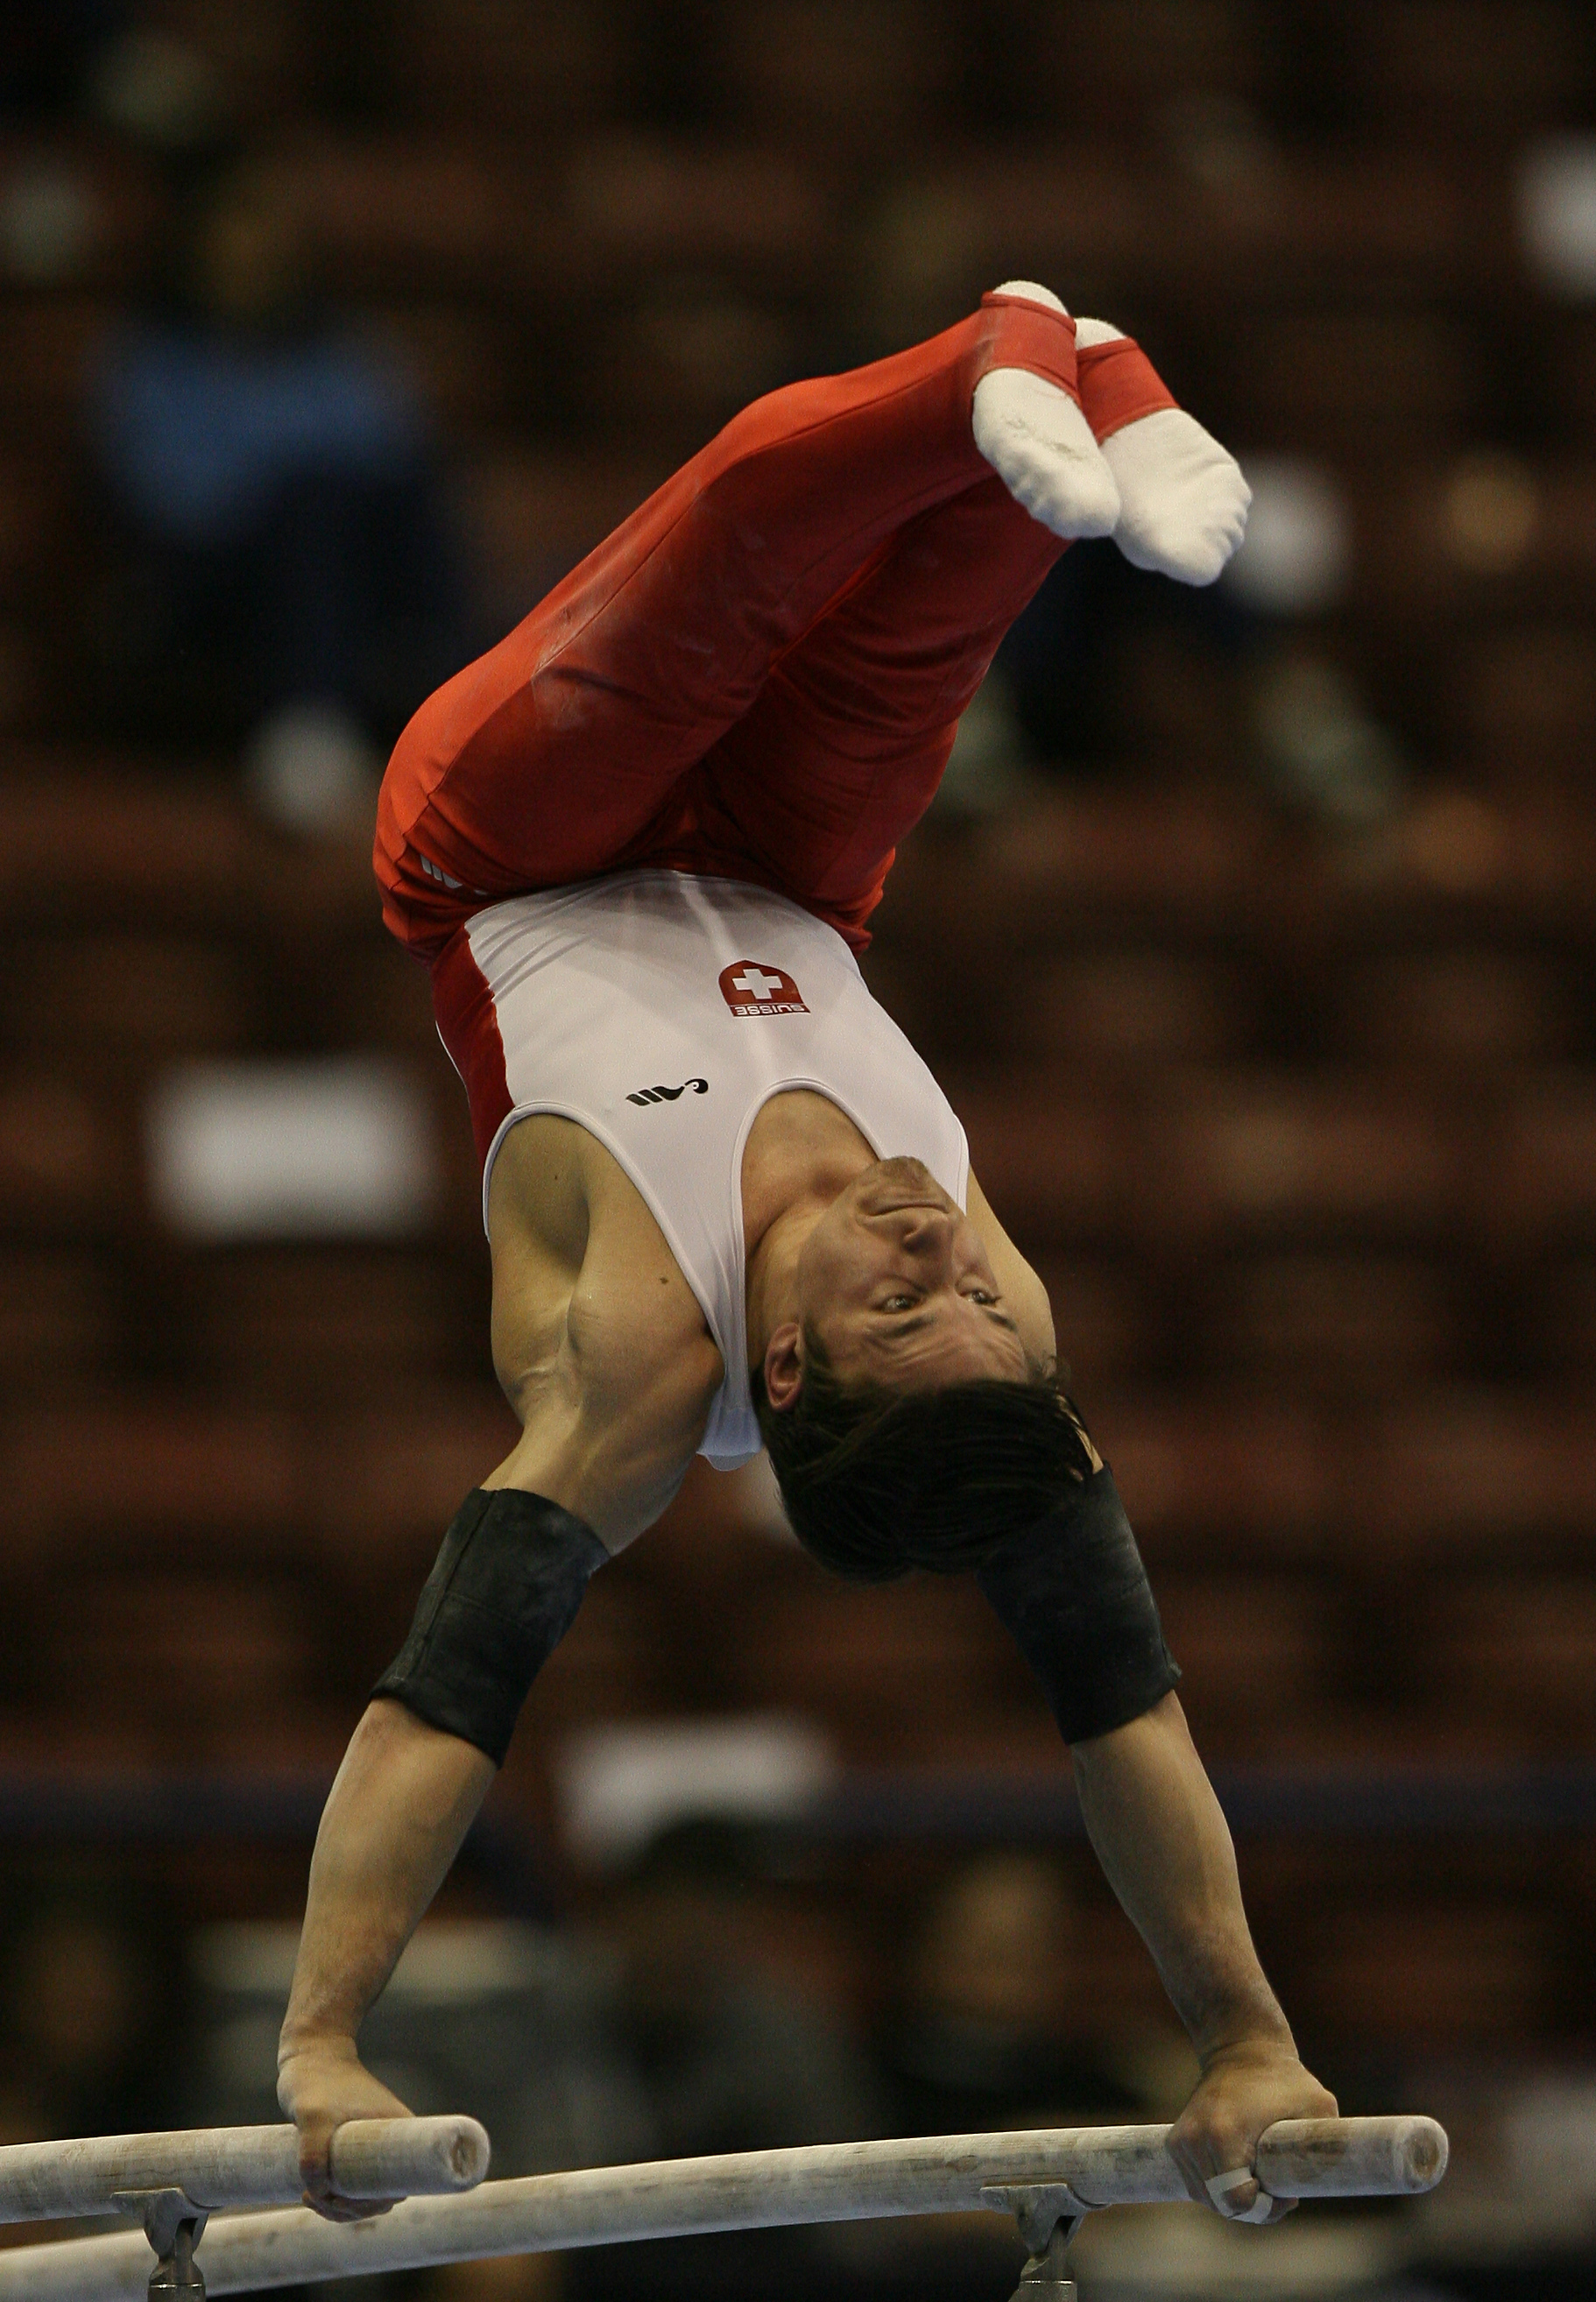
(990, 2029)
(94, 2010)
(1109, 664)
(729, 2058)
(1078, 662)
(727, 2055)
(286, 571)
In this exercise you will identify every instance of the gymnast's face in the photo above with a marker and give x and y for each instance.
(895, 1285)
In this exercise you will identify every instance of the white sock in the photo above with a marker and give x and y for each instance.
(1032, 292)
(1040, 445)
(1182, 498)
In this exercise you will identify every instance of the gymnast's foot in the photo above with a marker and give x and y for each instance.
(1040, 445)
(1183, 498)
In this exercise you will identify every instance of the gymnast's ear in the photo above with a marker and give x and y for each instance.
(783, 1366)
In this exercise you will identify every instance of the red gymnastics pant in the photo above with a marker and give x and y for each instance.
(761, 673)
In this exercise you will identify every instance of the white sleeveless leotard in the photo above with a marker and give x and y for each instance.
(661, 1010)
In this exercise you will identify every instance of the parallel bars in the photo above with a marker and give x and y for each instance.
(1048, 2179)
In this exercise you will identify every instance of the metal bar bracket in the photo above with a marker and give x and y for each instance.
(1049, 2214)
(174, 2225)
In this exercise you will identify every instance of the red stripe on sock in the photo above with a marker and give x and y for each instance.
(1119, 383)
(1023, 334)
(469, 1027)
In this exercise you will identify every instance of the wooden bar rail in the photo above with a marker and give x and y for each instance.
(238, 2166)
(1305, 2158)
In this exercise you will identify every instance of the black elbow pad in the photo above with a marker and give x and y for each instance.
(1072, 1590)
(509, 1578)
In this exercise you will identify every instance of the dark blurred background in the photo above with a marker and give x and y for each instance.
(1251, 937)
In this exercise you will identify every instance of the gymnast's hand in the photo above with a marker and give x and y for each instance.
(1244, 2089)
(321, 2086)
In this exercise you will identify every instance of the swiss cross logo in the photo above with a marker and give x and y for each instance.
(751, 987)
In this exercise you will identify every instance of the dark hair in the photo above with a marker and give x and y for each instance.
(877, 1481)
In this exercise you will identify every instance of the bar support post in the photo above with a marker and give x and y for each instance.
(1048, 2214)
(1046, 2277)
(174, 2225)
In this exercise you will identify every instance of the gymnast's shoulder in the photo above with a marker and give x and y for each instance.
(593, 1325)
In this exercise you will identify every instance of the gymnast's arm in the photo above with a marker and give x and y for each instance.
(603, 1354)
(1162, 1840)
(399, 1806)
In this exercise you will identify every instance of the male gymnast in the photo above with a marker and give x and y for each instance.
(726, 1203)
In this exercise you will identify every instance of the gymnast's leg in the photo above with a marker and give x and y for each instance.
(845, 743)
(844, 746)
(564, 751)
